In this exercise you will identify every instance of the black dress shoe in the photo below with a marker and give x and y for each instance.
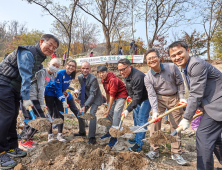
(92, 140)
(79, 134)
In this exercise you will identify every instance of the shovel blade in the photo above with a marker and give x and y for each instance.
(62, 112)
(137, 129)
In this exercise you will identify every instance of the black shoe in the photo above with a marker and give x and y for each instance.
(20, 135)
(79, 134)
(92, 140)
(6, 162)
(17, 152)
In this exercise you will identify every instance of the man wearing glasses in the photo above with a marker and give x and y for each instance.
(165, 87)
(140, 104)
(16, 72)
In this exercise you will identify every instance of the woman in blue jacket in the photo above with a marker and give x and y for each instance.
(54, 94)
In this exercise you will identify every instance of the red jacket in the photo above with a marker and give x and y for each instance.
(54, 56)
(114, 86)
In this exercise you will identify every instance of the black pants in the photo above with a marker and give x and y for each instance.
(29, 131)
(50, 100)
(9, 109)
(64, 62)
(208, 140)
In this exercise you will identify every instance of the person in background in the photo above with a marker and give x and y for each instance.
(38, 84)
(133, 47)
(64, 58)
(205, 93)
(120, 51)
(91, 54)
(89, 96)
(165, 88)
(54, 55)
(54, 94)
(116, 95)
(140, 104)
(16, 73)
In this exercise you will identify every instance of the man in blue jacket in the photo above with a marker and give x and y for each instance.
(16, 72)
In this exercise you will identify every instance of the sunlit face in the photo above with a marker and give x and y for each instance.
(70, 67)
(179, 55)
(85, 69)
(102, 74)
(48, 47)
(153, 60)
(124, 70)
(54, 63)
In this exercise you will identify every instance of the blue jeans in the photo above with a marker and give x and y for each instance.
(140, 117)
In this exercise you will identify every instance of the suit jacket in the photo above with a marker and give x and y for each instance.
(93, 94)
(205, 89)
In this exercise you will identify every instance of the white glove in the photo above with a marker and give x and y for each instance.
(125, 113)
(185, 123)
(27, 103)
(183, 100)
(155, 115)
(43, 107)
(64, 104)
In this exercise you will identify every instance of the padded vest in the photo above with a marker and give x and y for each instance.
(9, 71)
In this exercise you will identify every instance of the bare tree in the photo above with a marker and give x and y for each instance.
(161, 15)
(57, 11)
(107, 12)
(211, 13)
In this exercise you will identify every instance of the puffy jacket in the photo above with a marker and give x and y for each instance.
(114, 86)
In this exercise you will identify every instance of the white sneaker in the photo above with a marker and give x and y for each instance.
(152, 154)
(60, 138)
(50, 137)
(179, 159)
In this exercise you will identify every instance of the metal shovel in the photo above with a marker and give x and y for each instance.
(139, 129)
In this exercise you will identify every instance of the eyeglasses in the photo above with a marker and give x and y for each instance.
(152, 58)
(71, 66)
(123, 69)
(50, 45)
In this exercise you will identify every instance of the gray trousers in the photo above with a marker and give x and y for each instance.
(92, 123)
(115, 112)
(208, 140)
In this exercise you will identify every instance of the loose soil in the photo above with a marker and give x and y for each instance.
(57, 121)
(69, 116)
(160, 138)
(87, 116)
(113, 132)
(104, 122)
(117, 133)
(40, 124)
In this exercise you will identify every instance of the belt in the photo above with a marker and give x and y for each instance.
(168, 95)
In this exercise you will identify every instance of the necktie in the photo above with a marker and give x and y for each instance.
(83, 91)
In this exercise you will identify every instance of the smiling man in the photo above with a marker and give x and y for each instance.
(16, 72)
(165, 88)
(204, 82)
(140, 104)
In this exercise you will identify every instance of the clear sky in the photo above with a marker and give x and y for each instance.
(32, 16)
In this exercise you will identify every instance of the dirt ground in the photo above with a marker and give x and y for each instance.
(78, 155)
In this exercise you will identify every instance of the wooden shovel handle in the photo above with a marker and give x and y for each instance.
(167, 112)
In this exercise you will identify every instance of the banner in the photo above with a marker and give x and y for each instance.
(110, 59)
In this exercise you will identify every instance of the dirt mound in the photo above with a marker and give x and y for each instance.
(160, 138)
(104, 122)
(41, 124)
(87, 116)
(113, 132)
(57, 121)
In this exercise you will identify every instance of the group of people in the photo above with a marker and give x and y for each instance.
(23, 79)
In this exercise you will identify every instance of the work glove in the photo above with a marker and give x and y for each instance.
(27, 103)
(183, 100)
(125, 113)
(43, 107)
(185, 123)
(155, 115)
(64, 104)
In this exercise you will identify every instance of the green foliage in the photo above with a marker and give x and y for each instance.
(217, 43)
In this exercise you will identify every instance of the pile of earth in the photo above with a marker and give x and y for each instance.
(76, 154)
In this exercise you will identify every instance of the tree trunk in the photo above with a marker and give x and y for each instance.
(208, 50)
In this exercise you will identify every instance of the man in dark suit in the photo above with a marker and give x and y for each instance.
(89, 96)
(204, 82)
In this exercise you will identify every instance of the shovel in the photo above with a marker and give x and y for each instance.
(32, 115)
(139, 129)
(66, 111)
(51, 120)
